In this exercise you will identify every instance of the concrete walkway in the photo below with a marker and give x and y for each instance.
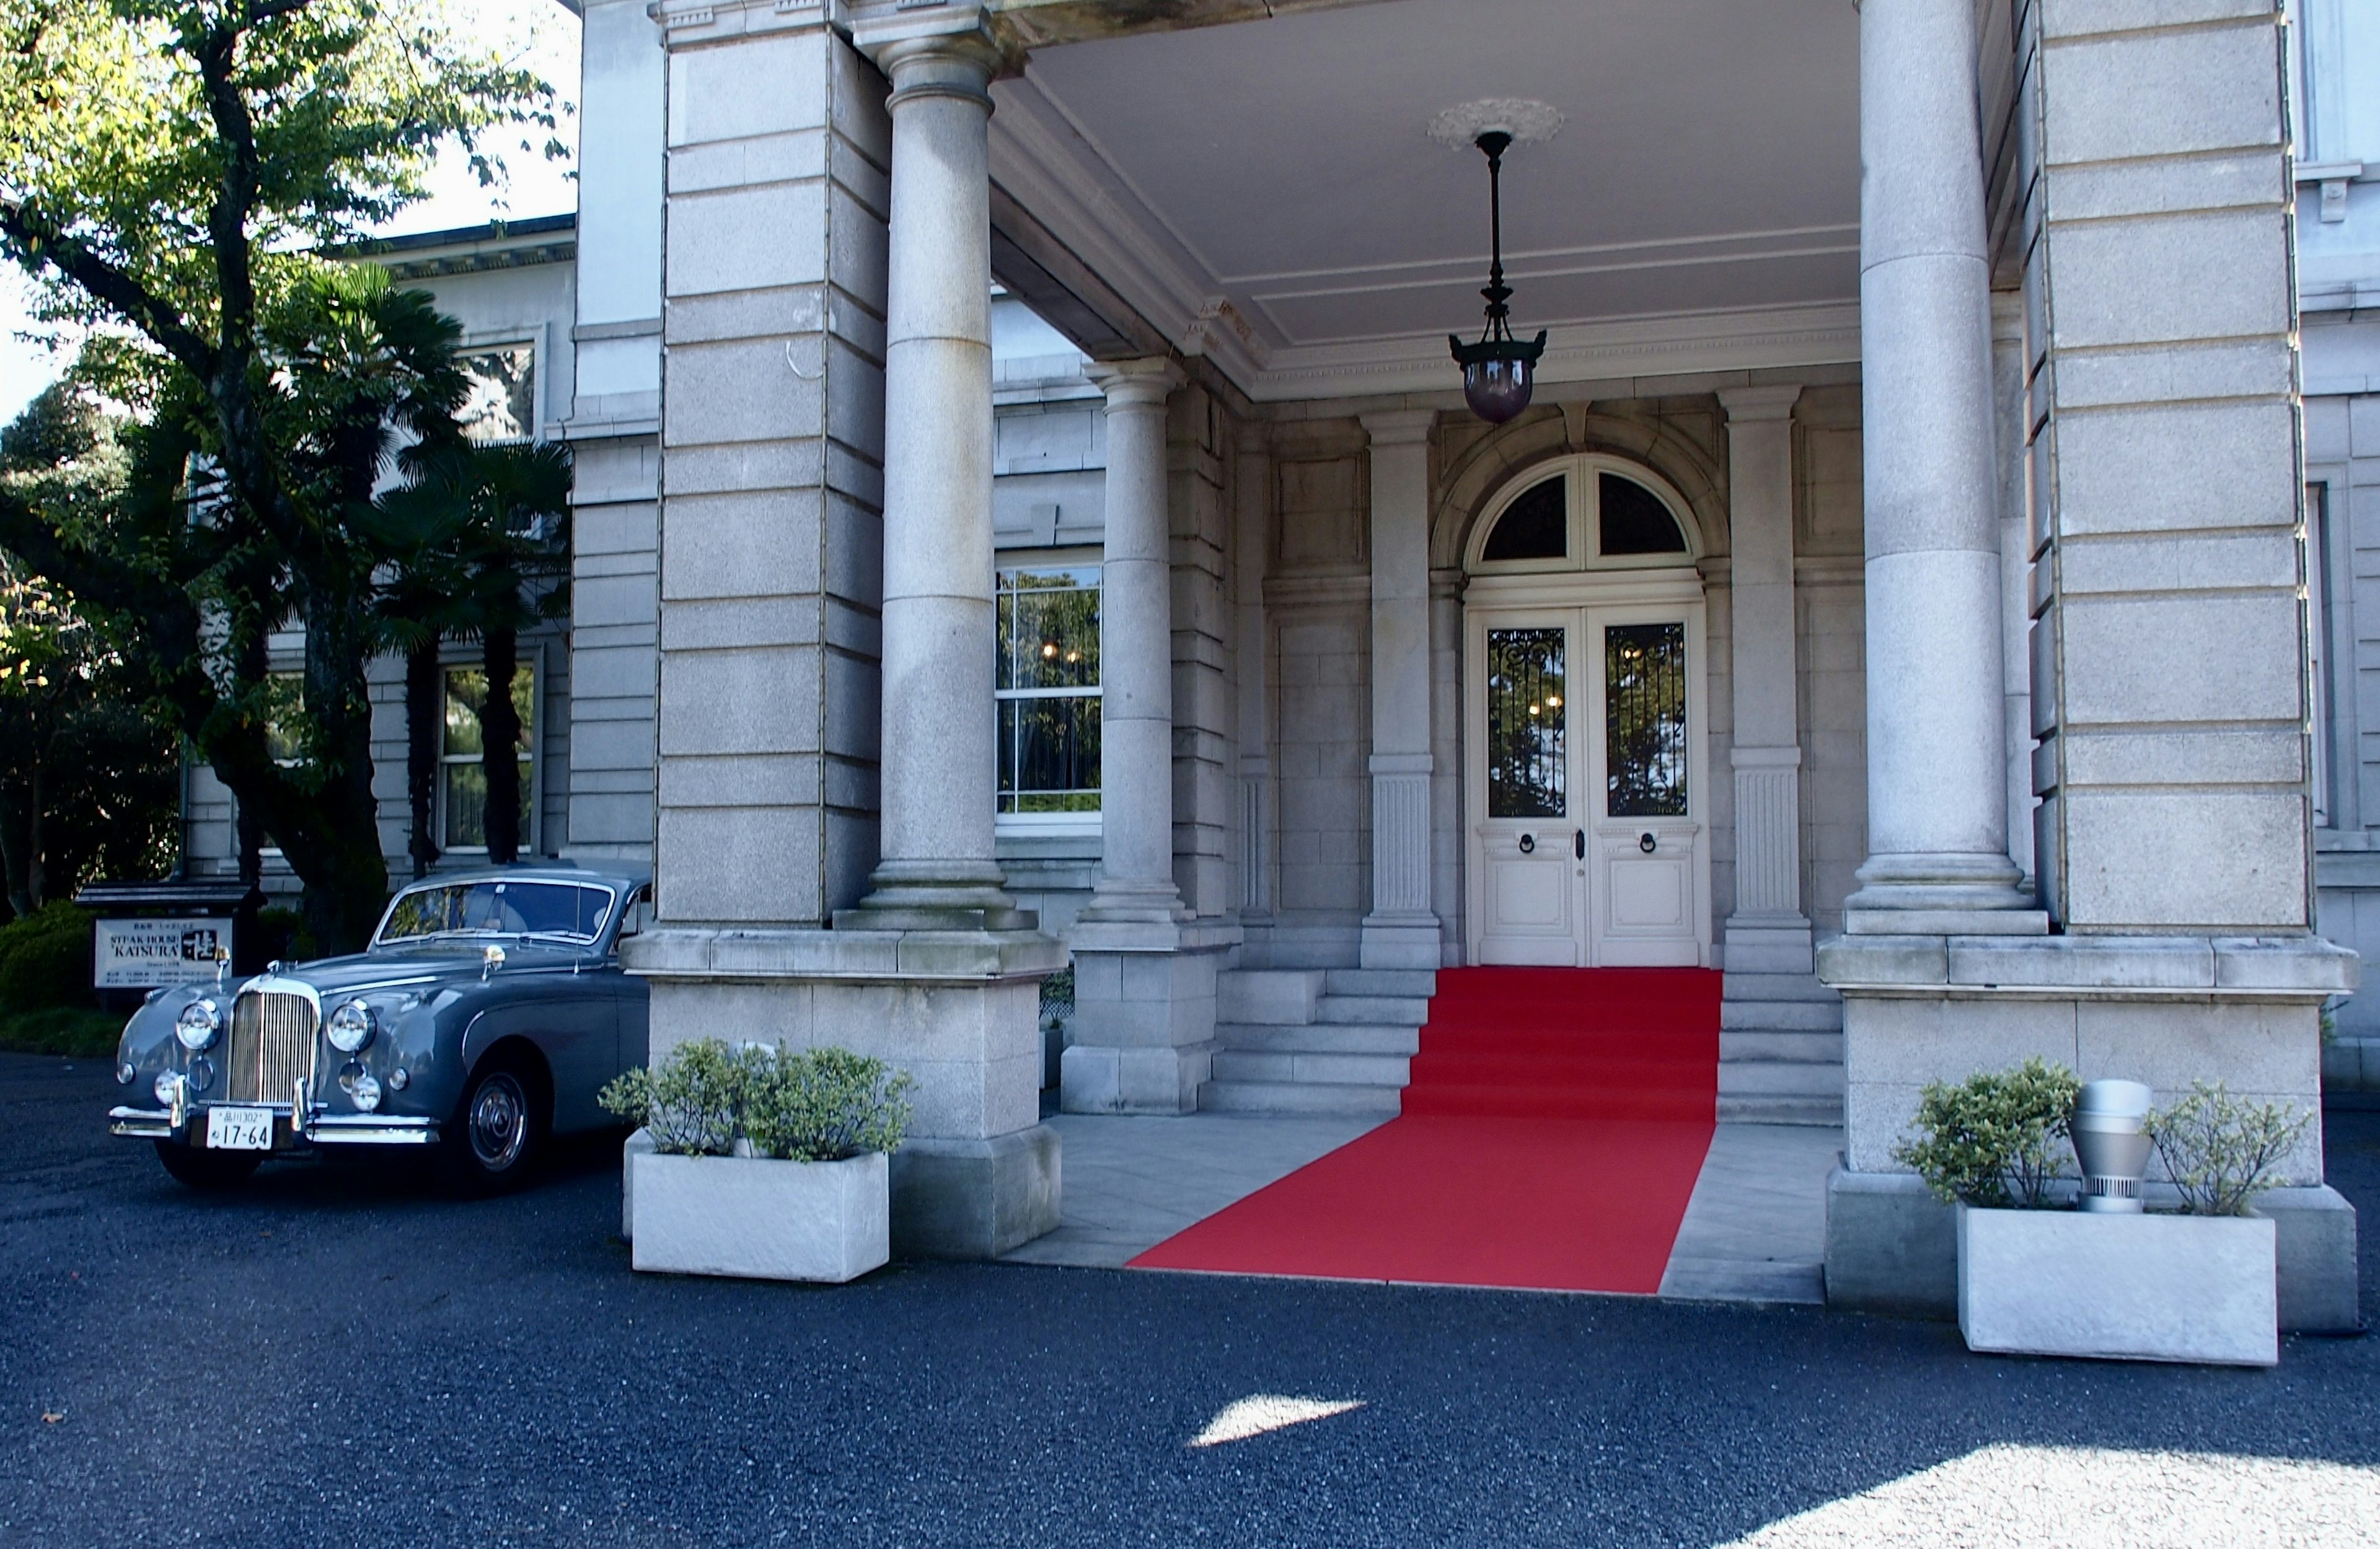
(1755, 1229)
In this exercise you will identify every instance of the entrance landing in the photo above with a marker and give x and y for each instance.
(1557, 1135)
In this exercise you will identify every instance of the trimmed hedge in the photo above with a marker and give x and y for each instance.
(45, 959)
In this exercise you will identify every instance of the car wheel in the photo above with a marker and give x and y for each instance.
(201, 1169)
(499, 1130)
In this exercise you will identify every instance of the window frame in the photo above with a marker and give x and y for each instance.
(533, 339)
(1582, 497)
(532, 659)
(1048, 824)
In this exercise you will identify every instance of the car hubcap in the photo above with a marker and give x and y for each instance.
(499, 1122)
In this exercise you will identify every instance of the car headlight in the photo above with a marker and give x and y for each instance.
(351, 1028)
(203, 1073)
(198, 1025)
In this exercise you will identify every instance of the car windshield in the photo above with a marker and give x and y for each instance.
(568, 910)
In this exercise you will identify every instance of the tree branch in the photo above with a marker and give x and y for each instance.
(42, 242)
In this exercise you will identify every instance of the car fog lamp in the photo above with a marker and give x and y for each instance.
(197, 1024)
(351, 1028)
(364, 1091)
(203, 1073)
(166, 1086)
(125, 1073)
(399, 1078)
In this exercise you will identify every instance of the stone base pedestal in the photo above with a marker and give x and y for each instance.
(1769, 944)
(1402, 941)
(2166, 1011)
(958, 1010)
(1142, 1038)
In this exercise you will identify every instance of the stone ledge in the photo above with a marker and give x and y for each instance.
(859, 956)
(1152, 935)
(2090, 967)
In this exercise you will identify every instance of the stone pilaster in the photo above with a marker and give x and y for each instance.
(1403, 930)
(1251, 549)
(1768, 933)
(1142, 1036)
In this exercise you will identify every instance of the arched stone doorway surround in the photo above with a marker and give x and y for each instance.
(1609, 889)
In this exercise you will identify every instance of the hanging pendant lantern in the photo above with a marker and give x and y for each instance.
(1499, 371)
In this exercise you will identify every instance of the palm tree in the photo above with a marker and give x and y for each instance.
(423, 601)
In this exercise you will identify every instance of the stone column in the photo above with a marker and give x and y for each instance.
(771, 735)
(1767, 933)
(1401, 931)
(1937, 815)
(1144, 1024)
(937, 869)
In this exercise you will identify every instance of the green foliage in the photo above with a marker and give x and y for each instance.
(174, 170)
(1995, 1139)
(45, 959)
(76, 1030)
(795, 1105)
(2221, 1153)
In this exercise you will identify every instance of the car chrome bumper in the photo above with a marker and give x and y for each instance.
(324, 1129)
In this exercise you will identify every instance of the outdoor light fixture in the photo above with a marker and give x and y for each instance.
(2111, 1141)
(1499, 370)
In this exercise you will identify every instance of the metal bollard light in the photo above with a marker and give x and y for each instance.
(2112, 1144)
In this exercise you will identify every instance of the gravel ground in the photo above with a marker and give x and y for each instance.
(334, 1356)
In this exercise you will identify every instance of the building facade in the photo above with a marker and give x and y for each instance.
(1026, 518)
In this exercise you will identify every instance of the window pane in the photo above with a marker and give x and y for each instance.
(499, 404)
(1527, 715)
(547, 908)
(1049, 753)
(466, 695)
(1049, 629)
(287, 695)
(1633, 519)
(1535, 526)
(1645, 719)
(466, 805)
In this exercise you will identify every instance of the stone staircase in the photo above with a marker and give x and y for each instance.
(1315, 1040)
(1781, 1051)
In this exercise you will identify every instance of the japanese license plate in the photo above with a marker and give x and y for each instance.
(239, 1129)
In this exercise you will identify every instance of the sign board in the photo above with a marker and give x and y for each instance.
(143, 954)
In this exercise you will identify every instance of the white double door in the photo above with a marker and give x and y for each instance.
(1585, 781)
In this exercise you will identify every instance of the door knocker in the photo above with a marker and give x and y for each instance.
(1528, 845)
(1646, 842)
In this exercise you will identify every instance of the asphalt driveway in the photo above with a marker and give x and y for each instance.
(333, 1357)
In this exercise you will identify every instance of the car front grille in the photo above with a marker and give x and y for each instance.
(271, 1047)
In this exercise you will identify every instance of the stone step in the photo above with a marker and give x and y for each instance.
(1267, 1097)
(1320, 1038)
(1780, 1016)
(1273, 994)
(1778, 986)
(1377, 1010)
(1422, 982)
(1756, 1110)
(1388, 1071)
(1798, 1049)
(1778, 1078)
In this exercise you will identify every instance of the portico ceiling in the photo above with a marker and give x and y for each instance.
(1265, 192)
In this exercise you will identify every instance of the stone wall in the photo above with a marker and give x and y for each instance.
(1830, 614)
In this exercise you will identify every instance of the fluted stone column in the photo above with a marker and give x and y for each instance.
(937, 868)
(1401, 931)
(1767, 933)
(1937, 814)
(1143, 1030)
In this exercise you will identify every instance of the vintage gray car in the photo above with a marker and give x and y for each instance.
(486, 1014)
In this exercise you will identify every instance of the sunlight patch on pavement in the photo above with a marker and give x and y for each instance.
(1261, 1412)
(2079, 1498)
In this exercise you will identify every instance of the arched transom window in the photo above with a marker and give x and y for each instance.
(1584, 512)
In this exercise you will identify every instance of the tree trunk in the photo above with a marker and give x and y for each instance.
(424, 699)
(500, 731)
(12, 851)
(36, 874)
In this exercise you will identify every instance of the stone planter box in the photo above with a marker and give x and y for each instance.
(758, 1218)
(2123, 1288)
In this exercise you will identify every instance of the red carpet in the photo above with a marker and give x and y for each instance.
(1555, 1124)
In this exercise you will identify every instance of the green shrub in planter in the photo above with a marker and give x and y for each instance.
(1995, 1140)
(2222, 1153)
(793, 1105)
(45, 959)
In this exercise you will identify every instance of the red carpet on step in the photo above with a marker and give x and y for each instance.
(1551, 1136)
